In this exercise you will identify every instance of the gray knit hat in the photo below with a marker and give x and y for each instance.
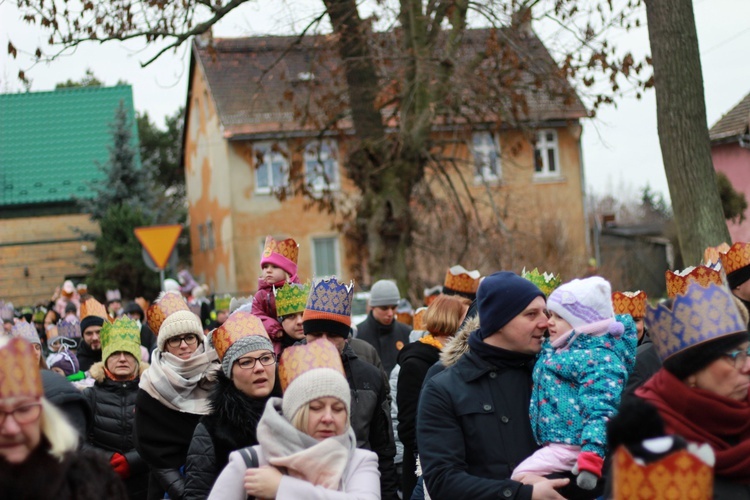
(179, 323)
(384, 293)
(240, 334)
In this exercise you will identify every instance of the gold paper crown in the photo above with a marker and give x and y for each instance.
(677, 283)
(737, 257)
(288, 248)
(163, 306)
(19, 370)
(405, 318)
(700, 315)
(633, 303)
(712, 255)
(546, 282)
(239, 324)
(678, 475)
(122, 335)
(93, 307)
(291, 298)
(298, 359)
(460, 280)
(418, 321)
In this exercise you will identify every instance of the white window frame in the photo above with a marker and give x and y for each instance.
(545, 146)
(336, 257)
(483, 145)
(270, 157)
(322, 155)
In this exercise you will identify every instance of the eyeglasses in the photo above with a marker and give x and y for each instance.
(248, 363)
(23, 414)
(189, 339)
(738, 357)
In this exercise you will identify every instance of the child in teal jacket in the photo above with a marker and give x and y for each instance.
(578, 381)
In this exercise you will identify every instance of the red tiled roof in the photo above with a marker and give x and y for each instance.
(271, 84)
(736, 122)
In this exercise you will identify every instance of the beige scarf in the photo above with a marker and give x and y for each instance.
(182, 384)
(321, 463)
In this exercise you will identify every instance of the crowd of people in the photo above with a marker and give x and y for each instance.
(503, 386)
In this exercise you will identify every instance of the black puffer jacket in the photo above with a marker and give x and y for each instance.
(229, 427)
(371, 417)
(386, 339)
(113, 415)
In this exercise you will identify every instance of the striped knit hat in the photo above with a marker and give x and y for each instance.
(329, 308)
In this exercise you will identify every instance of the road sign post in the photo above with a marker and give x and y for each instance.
(159, 242)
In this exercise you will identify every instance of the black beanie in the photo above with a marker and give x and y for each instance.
(327, 326)
(738, 277)
(91, 321)
(691, 360)
(501, 297)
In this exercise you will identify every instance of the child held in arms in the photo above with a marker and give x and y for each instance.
(578, 381)
(278, 266)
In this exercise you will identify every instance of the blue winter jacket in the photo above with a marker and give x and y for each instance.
(577, 389)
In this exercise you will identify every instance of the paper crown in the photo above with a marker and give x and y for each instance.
(82, 288)
(113, 295)
(299, 359)
(69, 329)
(93, 307)
(418, 320)
(546, 282)
(291, 298)
(38, 316)
(239, 324)
(677, 282)
(163, 306)
(700, 315)
(122, 335)
(633, 303)
(736, 257)
(26, 331)
(678, 475)
(712, 255)
(405, 318)
(330, 300)
(460, 280)
(222, 303)
(282, 254)
(68, 289)
(19, 370)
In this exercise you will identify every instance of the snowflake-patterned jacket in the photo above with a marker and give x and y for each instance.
(577, 388)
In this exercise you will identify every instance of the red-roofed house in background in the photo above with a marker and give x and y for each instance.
(730, 150)
(243, 141)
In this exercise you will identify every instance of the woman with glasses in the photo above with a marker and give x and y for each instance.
(701, 391)
(247, 380)
(173, 395)
(38, 447)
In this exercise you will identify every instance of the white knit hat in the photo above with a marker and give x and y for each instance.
(315, 384)
(582, 302)
(179, 323)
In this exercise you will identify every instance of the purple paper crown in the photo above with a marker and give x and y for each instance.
(700, 315)
(69, 329)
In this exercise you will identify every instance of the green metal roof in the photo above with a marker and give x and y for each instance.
(50, 142)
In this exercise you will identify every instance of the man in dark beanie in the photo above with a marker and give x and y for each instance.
(327, 315)
(90, 349)
(473, 423)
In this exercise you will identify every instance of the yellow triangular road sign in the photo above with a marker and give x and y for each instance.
(159, 241)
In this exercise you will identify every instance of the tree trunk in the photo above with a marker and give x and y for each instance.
(683, 131)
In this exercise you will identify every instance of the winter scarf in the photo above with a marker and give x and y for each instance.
(182, 384)
(702, 416)
(321, 463)
(499, 357)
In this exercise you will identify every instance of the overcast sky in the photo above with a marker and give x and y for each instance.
(620, 147)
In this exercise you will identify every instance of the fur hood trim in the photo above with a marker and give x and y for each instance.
(97, 370)
(459, 344)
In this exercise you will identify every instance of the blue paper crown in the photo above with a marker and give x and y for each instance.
(700, 315)
(329, 297)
